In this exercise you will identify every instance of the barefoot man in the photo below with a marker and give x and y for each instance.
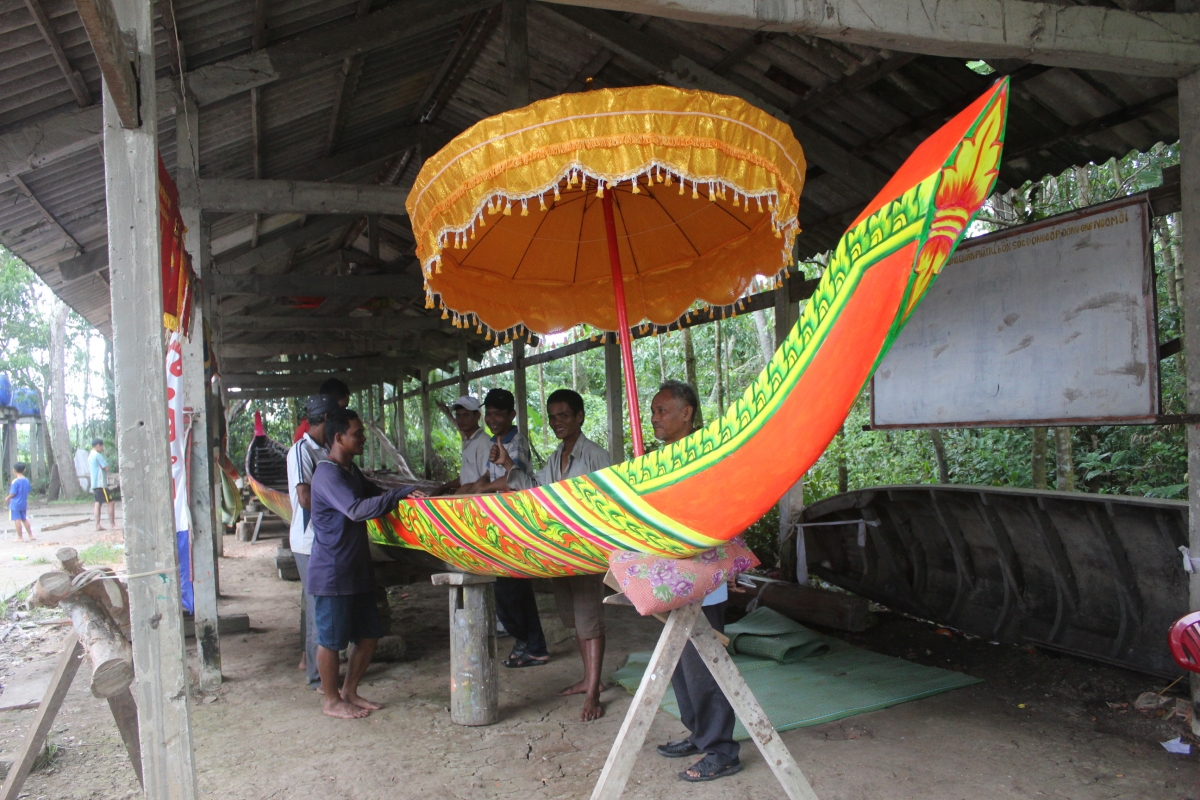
(578, 597)
(341, 578)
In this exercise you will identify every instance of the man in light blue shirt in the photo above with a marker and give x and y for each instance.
(98, 470)
(703, 707)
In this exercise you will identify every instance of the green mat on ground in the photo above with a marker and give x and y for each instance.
(830, 681)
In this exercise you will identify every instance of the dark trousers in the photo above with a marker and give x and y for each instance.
(702, 705)
(518, 612)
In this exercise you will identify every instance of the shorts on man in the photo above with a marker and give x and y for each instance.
(580, 599)
(100, 495)
(345, 618)
(16, 514)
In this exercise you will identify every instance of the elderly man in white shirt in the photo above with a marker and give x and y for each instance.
(578, 597)
(302, 459)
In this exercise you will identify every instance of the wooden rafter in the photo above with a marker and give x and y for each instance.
(74, 78)
(100, 21)
(258, 38)
(856, 81)
(24, 189)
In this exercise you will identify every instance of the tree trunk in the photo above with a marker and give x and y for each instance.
(542, 400)
(719, 383)
(764, 335)
(1064, 461)
(843, 472)
(1039, 458)
(662, 361)
(689, 370)
(1168, 259)
(939, 451)
(60, 442)
(110, 393)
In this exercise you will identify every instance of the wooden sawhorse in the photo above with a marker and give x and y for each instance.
(682, 625)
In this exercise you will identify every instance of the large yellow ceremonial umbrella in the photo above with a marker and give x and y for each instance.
(604, 207)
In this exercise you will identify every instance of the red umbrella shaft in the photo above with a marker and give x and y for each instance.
(614, 261)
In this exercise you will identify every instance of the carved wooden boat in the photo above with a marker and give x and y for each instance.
(266, 471)
(1094, 575)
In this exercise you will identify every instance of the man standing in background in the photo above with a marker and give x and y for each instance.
(302, 459)
(98, 473)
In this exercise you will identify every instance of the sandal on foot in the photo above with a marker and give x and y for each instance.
(523, 659)
(678, 749)
(710, 768)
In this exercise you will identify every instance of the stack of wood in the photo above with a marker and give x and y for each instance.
(98, 606)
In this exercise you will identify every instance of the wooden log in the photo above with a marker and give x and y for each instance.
(108, 650)
(124, 711)
(68, 665)
(805, 604)
(69, 558)
(50, 589)
(474, 683)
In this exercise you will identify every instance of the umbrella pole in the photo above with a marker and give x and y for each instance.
(624, 337)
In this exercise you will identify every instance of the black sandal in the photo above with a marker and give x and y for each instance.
(710, 768)
(678, 749)
(523, 659)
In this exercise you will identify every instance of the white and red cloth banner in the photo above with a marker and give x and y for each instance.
(177, 430)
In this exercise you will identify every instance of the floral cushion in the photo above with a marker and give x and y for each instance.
(656, 585)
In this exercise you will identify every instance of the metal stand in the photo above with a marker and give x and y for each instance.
(686, 624)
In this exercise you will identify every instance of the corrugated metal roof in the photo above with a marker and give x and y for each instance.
(1059, 116)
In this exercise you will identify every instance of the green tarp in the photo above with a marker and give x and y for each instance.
(802, 678)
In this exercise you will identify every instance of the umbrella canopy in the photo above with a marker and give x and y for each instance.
(510, 224)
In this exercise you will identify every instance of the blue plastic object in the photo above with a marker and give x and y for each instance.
(27, 402)
(5, 389)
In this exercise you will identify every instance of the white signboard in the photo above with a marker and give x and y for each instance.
(1052, 322)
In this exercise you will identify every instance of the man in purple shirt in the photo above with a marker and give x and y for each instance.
(341, 577)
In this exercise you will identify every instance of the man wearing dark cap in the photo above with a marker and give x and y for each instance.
(302, 459)
(334, 388)
(500, 410)
(516, 605)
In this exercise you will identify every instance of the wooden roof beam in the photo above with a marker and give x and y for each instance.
(100, 21)
(293, 285)
(46, 215)
(389, 324)
(1083, 36)
(322, 362)
(300, 197)
(74, 78)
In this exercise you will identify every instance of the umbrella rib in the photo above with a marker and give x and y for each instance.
(628, 235)
(675, 222)
(733, 216)
(579, 238)
(532, 239)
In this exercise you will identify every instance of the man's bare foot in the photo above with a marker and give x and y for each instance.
(592, 709)
(343, 710)
(361, 702)
(303, 661)
(579, 688)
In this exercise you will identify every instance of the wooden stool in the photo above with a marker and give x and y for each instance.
(474, 684)
(684, 625)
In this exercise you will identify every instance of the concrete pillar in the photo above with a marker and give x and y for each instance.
(792, 503)
(196, 396)
(135, 278)
(1189, 145)
(401, 422)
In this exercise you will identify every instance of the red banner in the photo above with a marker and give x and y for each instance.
(177, 276)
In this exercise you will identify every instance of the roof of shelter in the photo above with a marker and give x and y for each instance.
(349, 115)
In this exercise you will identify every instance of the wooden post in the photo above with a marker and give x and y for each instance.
(197, 397)
(426, 426)
(792, 503)
(521, 388)
(1189, 185)
(614, 399)
(401, 422)
(135, 278)
(516, 52)
(474, 683)
(464, 366)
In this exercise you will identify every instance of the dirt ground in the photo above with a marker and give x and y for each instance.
(1041, 725)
